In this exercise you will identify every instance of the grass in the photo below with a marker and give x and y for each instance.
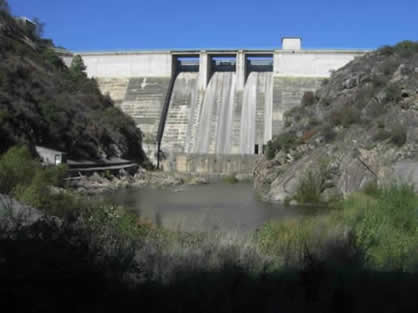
(383, 222)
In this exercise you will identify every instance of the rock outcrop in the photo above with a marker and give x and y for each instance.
(361, 127)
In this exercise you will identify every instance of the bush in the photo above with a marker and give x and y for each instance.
(389, 66)
(375, 109)
(284, 141)
(398, 136)
(309, 189)
(378, 81)
(24, 178)
(393, 93)
(387, 227)
(406, 48)
(346, 116)
(386, 50)
(308, 98)
(363, 96)
(328, 132)
(371, 189)
(308, 134)
(17, 167)
(381, 135)
(270, 152)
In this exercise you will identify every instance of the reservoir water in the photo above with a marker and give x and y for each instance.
(218, 206)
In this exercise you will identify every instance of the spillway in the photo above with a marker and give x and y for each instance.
(182, 110)
(214, 130)
(256, 117)
(222, 120)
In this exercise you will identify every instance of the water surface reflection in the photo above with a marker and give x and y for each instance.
(218, 206)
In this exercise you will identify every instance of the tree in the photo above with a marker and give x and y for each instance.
(77, 67)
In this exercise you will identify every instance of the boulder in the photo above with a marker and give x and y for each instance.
(13, 213)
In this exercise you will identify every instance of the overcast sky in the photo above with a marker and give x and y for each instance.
(90, 25)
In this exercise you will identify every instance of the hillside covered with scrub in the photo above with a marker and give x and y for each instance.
(359, 128)
(42, 102)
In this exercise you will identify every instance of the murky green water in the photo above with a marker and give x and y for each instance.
(218, 206)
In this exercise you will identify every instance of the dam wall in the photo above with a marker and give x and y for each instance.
(128, 64)
(204, 102)
(311, 63)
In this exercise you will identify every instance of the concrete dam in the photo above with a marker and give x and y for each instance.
(211, 110)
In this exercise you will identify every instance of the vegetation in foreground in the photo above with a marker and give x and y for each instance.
(101, 257)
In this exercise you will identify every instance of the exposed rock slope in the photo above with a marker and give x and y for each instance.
(360, 126)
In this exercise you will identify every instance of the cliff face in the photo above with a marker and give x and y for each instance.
(42, 102)
(360, 126)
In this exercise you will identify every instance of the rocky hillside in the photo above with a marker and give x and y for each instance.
(360, 127)
(42, 102)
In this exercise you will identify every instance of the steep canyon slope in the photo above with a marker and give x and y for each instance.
(360, 127)
(42, 102)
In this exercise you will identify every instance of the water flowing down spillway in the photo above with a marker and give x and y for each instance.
(214, 131)
(221, 120)
(256, 116)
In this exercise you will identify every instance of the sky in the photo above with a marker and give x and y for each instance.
(98, 25)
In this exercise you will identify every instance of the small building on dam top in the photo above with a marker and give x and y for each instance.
(226, 104)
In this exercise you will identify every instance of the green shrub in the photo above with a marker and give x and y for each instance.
(387, 228)
(284, 141)
(17, 167)
(350, 116)
(308, 98)
(231, 179)
(328, 132)
(386, 50)
(393, 93)
(398, 136)
(406, 48)
(346, 116)
(371, 189)
(378, 81)
(50, 56)
(381, 135)
(363, 96)
(375, 109)
(389, 66)
(270, 152)
(309, 189)
(313, 183)
(296, 113)
(24, 178)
